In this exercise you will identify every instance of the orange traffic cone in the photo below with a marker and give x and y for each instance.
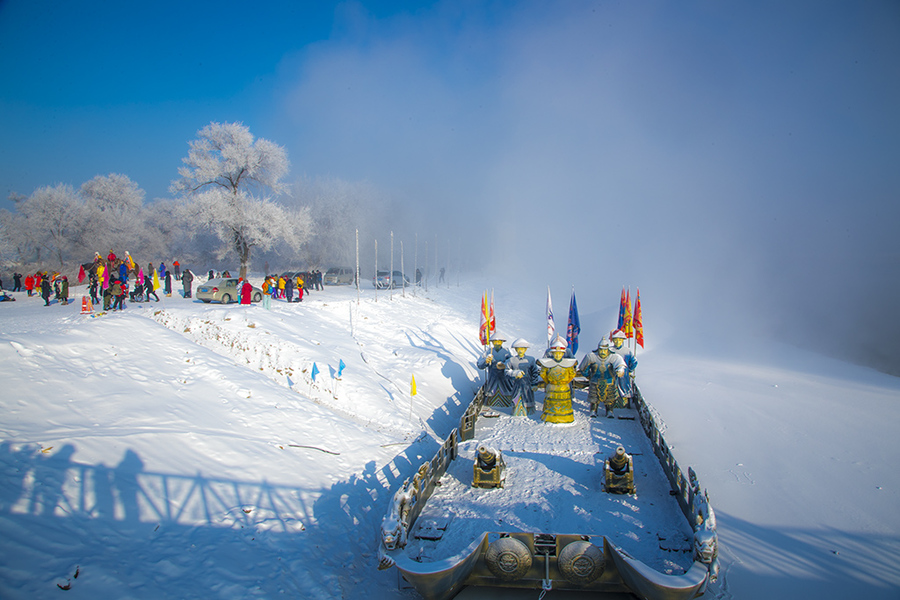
(86, 306)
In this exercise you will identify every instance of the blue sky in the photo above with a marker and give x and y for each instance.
(750, 148)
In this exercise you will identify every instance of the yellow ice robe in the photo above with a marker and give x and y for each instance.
(557, 393)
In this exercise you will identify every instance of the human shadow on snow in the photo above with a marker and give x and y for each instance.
(172, 535)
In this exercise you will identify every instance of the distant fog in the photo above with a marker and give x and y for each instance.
(737, 162)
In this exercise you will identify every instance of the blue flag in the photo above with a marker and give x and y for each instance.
(341, 366)
(315, 371)
(574, 327)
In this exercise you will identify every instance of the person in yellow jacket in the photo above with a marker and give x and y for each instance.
(280, 287)
(300, 287)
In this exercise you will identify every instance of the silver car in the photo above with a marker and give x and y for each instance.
(225, 290)
(340, 276)
(384, 280)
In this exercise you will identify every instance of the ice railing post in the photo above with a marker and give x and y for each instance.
(409, 500)
(467, 423)
(694, 503)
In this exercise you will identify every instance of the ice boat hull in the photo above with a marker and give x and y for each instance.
(438, 558)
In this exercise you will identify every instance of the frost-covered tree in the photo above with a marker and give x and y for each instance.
(223, 173)
(114, 215)
(9, 255)
(51, 221)
(338, 208)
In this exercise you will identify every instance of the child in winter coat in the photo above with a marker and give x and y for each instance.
(45, 291)
(119, 289)
(94, 289)
(267, 293)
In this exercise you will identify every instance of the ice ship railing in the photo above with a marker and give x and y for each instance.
(693, 502)
(684, 491)
(415, 492)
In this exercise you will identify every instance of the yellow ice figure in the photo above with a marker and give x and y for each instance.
(557, 372)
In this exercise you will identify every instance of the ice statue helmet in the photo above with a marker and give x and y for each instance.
(604, 344)
(520, 343)
(618, 335)
(496, 336)
(559, 343)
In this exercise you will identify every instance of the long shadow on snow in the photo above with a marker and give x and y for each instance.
(446, 416)
(169, 535)
(825, 562)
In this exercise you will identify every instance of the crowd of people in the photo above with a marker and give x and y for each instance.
(44, 284)
(110, 280)
(114, 279)
(291, 286)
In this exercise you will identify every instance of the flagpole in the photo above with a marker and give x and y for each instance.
(392, 268)
(357, 267)
(412, 392)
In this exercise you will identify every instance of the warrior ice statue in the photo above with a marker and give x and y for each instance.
(557, 372)
(497, 389)
(619, 347)
(606, 372)
(523, 374)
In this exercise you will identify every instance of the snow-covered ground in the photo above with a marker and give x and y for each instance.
(182, 450)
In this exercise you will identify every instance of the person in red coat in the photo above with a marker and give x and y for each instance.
(29, 284)
(246, 290)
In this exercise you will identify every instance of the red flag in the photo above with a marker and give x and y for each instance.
(482, 329)
(493, 320)
(629, 330)
(488, 322)
(638, 320)
(81, 274)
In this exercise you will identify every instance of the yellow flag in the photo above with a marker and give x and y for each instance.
(412, 391)
(155, 280)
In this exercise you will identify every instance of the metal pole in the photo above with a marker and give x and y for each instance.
(376, 270)
(391, 278)
(402, 270)
(357, 266)
(458, 259)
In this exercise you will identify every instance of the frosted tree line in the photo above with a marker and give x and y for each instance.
(230, 206)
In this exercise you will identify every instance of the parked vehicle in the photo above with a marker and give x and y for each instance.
(383, 280)
(225, 291)
(340, 276)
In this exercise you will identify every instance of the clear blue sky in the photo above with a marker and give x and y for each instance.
(751, 148)
(106, 86)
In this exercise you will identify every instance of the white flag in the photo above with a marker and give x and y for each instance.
(551, 327)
